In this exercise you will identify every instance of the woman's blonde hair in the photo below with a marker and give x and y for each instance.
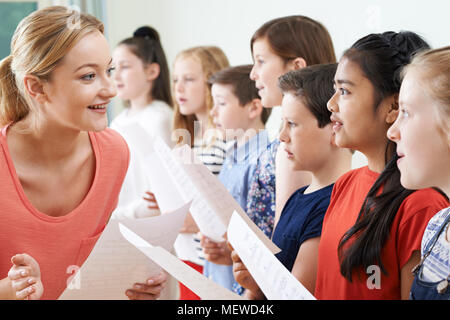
(433, 67)
(212, 59)
(40, 42)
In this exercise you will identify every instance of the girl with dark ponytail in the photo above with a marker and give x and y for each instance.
(373, 227)
(143, 81)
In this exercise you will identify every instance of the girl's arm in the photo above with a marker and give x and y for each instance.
(287, 181)
(305, 265)
(406, 275)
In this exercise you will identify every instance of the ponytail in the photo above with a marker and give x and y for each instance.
(13, 106)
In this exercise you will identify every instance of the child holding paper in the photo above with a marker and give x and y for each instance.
(193, 126)
(239, 114)
(309, 145)
(142, 80)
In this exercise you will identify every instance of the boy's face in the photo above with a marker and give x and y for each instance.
(227, 112)
(306, 145)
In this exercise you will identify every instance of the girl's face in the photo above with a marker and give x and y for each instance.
(80, 87)
(189, 86)
(131, 76)
(307, 146)
(423, 150)
(267, 68)
(356, 123)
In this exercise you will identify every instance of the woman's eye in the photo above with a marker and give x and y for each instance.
(88, 77)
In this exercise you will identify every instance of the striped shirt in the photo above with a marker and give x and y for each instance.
(437, 265)
(211, 153)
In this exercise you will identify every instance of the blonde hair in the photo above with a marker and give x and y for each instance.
(212, 59)
(433, 67)
(40, 42)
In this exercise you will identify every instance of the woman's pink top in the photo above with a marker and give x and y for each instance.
(59, 243)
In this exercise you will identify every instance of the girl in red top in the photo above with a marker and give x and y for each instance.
(60, 169)
(373, 227)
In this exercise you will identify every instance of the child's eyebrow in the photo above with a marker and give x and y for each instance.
(343, 81)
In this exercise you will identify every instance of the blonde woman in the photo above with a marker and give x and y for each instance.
(61, 169)
(193, 126)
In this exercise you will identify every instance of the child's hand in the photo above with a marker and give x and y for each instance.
(216, 252)
(189, 225)
(25, 276)
(151, 290)
(244, 278)
(152, 203)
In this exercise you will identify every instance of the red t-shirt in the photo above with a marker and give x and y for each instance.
(405, 237)
(57, 243)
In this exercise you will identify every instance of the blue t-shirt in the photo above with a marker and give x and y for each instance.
(300, 220)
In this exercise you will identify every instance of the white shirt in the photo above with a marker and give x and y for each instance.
(140, 131)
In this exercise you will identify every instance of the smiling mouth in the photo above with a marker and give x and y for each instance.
(98, 107)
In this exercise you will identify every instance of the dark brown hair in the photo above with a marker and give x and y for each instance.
(146, 45)
(297, 36)
(242, 86)
(314, 86)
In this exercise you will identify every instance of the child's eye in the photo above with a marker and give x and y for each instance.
(110, 71)
(343, 91)
(404, 113)
(292, 124)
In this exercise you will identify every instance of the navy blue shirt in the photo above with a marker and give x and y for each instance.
(301, 219)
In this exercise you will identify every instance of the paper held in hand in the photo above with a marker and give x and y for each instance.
(114, 265)
(272, 277)
(185, 178)
(205, 288)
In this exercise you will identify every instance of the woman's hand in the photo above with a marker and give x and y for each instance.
(25, 277)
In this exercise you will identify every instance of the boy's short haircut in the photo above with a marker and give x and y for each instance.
(314, 86)
(244, 88)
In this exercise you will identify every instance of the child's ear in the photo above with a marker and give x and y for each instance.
(35, 88)
(255, 109)
(393, 107)
(299, 63)
(152, 70)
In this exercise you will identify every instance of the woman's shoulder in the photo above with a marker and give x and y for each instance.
(110, 141)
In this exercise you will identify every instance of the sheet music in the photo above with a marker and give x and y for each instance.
(205, 288)
(114, 265)
(272, 277)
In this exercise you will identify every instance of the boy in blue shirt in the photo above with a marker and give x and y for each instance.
(239, 115)
(308, 143)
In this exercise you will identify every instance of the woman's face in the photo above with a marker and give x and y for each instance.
(189, 86)
(267, 68)
(80, 87)
(422, 146)
(131, 75)
(356, 123)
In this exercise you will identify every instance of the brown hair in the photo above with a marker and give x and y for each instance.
(146, 45)
(297, 36)
(212, 59)
(242, 86)
(314, 86)
(39, 43)
(434, 69)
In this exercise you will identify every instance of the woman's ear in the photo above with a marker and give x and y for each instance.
(35, 88)
(152, 70)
